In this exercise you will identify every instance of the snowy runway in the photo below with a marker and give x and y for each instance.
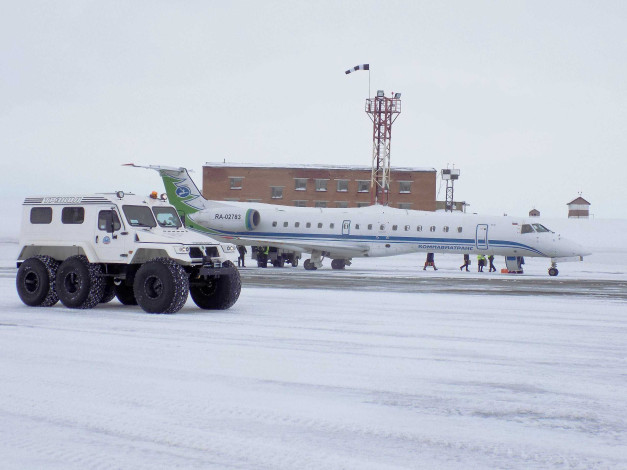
(317, 379)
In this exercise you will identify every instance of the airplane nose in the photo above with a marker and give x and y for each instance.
(571, 248)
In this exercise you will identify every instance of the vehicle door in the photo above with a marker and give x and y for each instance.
(110, 244)
(346, 228)
(481, 240)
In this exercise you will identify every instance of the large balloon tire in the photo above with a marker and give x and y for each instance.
(79, 283)
(125, 294)
(36, 280)
(109, 292)
(221, 293)
(161, 286)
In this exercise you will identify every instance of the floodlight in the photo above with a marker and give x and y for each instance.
(397, 96)
(380, 93)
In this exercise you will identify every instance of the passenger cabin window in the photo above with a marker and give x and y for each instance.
(109, 221)
(394, 227)
(319, 224)
(74, 215)
(41, 215)
(382, 227)
(139, 216)
(419, 228)
(526, 228)
(356, 226)
(274, 224)
(432, 228)
(296, 224)
(407, 228)
(285, 224)
(369, 226)
(167, 217)
(445, 228)
(331, 225)
(308, 225)
(459, 229)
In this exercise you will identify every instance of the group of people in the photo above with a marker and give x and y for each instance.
(482, 261)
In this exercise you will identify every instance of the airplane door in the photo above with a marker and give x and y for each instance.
(346, 228)
(482, 237)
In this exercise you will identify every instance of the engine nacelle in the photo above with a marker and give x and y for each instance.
(231, 219)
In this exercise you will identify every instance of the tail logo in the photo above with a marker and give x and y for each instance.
(183, 191)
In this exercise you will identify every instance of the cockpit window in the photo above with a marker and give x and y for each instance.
(526, 228)
(139, 216)
(540, 228)
(167, 216)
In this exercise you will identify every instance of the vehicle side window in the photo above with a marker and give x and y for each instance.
(108, 220)
(72, 215)
(139, 216)
(526, 228)
(41, 215)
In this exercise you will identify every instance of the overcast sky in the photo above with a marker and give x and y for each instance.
(528, 99)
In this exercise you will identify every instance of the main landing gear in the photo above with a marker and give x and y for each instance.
(553, 269)
(315, 262)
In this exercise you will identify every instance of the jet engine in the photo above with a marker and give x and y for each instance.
(230, 219)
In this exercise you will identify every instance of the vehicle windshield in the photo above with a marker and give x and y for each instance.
(540, 228)
(167, 217)
(139, 216)
(526, 228)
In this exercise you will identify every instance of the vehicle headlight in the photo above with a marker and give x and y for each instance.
(181, 249)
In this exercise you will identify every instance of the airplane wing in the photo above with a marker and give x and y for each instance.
(337, 248)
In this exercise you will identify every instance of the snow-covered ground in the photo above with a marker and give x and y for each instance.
(292, 378)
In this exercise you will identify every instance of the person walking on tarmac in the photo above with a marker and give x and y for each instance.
(466, 262)
(242, 256)
(480, 262)
(491, 260)
(430, 262)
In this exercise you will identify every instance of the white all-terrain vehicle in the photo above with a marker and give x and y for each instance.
(85, 250)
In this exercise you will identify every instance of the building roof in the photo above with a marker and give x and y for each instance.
(311, 166)
(579, 200)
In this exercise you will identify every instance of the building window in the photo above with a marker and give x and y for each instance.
(363, 186)
(404, 205)
(432, 228)
(236, 182)
(277, 192)
(320, 203)
(342, 186)
(419, 228)
(300, 203)
(363, 204)
(300, 184)
(404, 187)
(321, 185)
(341, 204)
(253, 200)
(41, 215)
(445, 228)
(232, 199)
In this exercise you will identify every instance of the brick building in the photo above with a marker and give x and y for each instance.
(316, 185)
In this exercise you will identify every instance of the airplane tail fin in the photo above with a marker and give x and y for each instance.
(180, 188)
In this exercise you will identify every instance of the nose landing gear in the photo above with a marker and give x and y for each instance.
(553, 269)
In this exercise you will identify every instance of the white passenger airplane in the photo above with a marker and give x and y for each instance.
(342, 234)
